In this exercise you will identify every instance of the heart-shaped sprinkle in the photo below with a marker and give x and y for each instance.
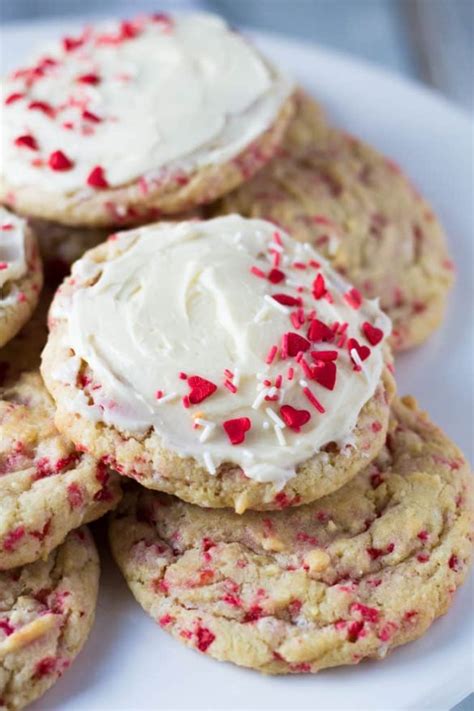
(286, 299)
(319, 287)
(295, 344)
(97, 179)
(362, 351)
(59, 161)
(324, 355)
(353, 298)
(325, 374)
(236, 429)
(318, 331)
(373, 334)
(200, 389)
(275, 276)
(27, 141)
(293, 418)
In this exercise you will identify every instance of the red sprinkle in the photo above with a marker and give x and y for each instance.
(97, 179)
(293, 418)
(318, 331)
(286, 299)
(91, 78)
(294, 344)
(275, 276)
(42, 106)
(325, 374)
(319, 287)
(324, 355)
(200, 389)
(373, 335)
(257, 272)
(89, 116)
(59, 161)
(27, 141)
(236, 429)
(15, 96)
(204, 638)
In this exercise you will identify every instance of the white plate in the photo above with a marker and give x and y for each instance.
(128, 662)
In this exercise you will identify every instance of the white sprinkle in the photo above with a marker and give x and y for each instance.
(276, 305)
(260, 315)
(259, 399)
(274, 247)
(273, 416)
(166, 398)
(210, 466)
(207, 431)
(266, 425)
(236, 379)
(272, 391)
(357, 360)
(279, 435)
(303, 383)
(281, 396)
(237, 237)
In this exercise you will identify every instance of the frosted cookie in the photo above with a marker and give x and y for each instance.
(46, 613)
(220, 361)
(347, 578)
(21, 275)
(362, 213)
(134, 119)
(47, 486)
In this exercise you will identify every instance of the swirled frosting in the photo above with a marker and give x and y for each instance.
(232, 341)
(147, 98)
(13, 262)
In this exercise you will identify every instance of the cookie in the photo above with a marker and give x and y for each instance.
(21, 275)
(47, 486)
(23, 352)
(131, 120)
(46, 613)
(347, 578)
(359, 209)
(61, 245)
(220, 361)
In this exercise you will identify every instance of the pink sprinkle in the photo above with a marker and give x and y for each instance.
(353, 298)
(186, 402)
(299, 265)
(159, 394)
(230, 386)
(290, 373)
(277, 238)
(3, 265)
(258, 272)
(313, 400)
(271, 355)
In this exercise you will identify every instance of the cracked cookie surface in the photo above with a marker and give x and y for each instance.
(46, 612)
(47, 486)
(359, 210)
(349, 577)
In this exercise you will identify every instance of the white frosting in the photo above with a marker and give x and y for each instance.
(183, 298)
(13, 263)
(179, 95)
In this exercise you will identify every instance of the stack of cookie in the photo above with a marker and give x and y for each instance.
(229, 369)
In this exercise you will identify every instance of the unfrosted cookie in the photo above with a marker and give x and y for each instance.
(47, 486)
(362, 213)
(23, 352)
(346, 578)
(134, 119)
(61, 245)
(220, 361)
(46, 613)
(21, 274)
